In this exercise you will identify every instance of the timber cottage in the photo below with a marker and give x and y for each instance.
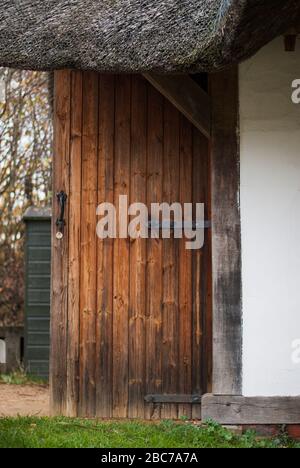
(175, 101)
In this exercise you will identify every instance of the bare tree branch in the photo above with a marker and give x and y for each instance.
(25, 174)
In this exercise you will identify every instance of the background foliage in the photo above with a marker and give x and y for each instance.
(25, 174)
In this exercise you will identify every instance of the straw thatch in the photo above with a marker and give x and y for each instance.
(138, 35)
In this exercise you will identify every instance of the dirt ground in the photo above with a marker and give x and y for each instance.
(23, 400)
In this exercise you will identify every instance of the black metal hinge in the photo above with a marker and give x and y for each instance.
(173, 225)
(174, 398)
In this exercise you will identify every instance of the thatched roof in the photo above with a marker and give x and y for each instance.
(138, 35)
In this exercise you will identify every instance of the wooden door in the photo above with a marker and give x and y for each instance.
(129, 318)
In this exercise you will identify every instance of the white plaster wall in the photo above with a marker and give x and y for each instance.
(270, 215)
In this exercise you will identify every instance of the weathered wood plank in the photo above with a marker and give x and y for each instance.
(121, 249)
(251, 410)
(226, 235)
(185, 270)
(60, 248)
(200, 155)
(202, 186)
(104, 370)
(88, 283)
(207, 282)
(138, 194)
(187, 97)
(170, 262)
(74, 245)
(154, 253)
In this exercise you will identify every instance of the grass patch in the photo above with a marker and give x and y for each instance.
(21, 378)
(78, 433)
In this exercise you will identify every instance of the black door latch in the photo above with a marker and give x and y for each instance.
(60, 222)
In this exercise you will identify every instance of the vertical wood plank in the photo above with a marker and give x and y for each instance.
(88, 244)
(74, 202)
(170, 262)
(226, 234)
(207, 364)
(155, 152)
(59, 300)
(185, 271)
(200, 269)
(104, 369)
(138, 247)
(121, 249)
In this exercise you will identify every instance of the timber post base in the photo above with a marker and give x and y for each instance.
(240, 410)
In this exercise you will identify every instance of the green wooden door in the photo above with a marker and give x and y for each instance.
(37, 291)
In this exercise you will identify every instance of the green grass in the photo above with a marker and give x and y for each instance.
(78, 433)
(20, 378)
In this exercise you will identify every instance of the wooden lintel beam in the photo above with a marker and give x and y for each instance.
(184, 93)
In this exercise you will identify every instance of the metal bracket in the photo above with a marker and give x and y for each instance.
(174, 225)
(174, 398)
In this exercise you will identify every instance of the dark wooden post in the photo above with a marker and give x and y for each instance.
(226, 235)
